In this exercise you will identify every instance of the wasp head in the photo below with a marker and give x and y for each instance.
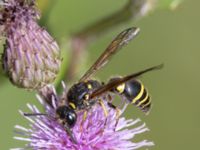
(66, 115)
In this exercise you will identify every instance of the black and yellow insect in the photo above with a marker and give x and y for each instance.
(135, 93)
(87, 92)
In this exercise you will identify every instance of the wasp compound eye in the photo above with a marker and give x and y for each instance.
(67, 114)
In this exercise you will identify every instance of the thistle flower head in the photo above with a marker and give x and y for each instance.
(31, 57)
(17, 12)
(96, 132)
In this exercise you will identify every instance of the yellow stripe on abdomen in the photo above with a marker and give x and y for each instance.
(147, 103)
(139, 95)
(143, 100)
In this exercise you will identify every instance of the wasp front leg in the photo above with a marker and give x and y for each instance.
(70, 133)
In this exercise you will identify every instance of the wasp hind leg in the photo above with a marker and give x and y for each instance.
(118, 112)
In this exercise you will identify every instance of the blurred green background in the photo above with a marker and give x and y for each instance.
(166, 36)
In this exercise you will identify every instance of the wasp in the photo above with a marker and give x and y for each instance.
(88, 92)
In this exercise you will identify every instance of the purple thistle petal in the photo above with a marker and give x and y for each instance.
(96, 132)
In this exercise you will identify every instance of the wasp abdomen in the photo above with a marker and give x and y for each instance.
(136, 94)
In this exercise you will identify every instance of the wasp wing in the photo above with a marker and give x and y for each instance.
(121, 40)
(115, 83)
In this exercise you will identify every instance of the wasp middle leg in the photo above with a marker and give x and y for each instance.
(118, 112)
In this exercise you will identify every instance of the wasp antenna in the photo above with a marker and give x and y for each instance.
(159, 66)
(34, 114)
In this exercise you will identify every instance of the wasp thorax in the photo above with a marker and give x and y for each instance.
(66, 115)
(78, 95)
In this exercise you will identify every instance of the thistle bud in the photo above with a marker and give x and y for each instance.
(31, 57)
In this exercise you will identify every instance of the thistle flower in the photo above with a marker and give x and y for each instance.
(31, 57)
(96, 132)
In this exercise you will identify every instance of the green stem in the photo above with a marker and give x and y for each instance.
(46, 13)
(133, 10)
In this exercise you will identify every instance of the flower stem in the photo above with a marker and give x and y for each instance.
(134, 9)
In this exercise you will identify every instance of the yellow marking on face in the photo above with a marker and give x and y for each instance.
(143, 100)
(147, 103)
(120, 88)
(139, 95)
(72, 105)
(89, 86)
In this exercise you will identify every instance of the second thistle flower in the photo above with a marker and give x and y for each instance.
(31, 57)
